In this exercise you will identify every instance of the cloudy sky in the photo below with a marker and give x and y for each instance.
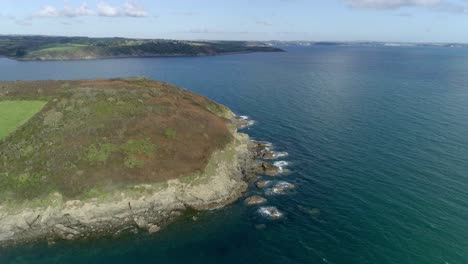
(342, 20)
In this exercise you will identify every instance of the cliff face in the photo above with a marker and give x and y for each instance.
(105, 157)
(145, 207)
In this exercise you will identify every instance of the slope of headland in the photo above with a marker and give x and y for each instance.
(112, 156)
(80, 48)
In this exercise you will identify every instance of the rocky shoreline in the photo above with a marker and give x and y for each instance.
(154, 207)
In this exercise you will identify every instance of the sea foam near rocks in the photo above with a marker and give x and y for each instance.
(246, 121)
(270, 212)
(281, 154)
(281, 165)
(280, 188)
(272, 155)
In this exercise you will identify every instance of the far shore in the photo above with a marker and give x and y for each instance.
(133, 57)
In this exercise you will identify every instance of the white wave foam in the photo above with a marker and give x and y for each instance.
(249, 122)
(281, 164)
(270, 212)
(265, 143)
(280, 188)
(282, 154)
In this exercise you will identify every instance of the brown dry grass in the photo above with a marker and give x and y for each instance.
(69, 155)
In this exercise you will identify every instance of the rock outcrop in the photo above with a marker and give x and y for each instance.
(270, 212)
(252, 200)
(106, 120)
(223, 183)
(262, 184)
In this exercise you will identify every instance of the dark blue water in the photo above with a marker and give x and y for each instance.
(378, 144)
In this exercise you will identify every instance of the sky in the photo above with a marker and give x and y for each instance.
(310, 20)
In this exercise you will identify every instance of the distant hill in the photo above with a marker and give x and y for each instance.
(76, 48)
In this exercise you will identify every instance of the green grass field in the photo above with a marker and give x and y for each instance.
(15, 113)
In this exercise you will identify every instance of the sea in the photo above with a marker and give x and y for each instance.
(377, 143)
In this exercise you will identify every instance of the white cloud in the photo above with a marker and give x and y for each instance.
(66, 11)
(48, 11)
(127, 9)
(107, 10)
(133, 10)
(82, 10)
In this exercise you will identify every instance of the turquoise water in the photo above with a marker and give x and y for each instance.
(378, 148)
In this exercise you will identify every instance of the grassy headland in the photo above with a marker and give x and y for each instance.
(69, 48)
(97, 134)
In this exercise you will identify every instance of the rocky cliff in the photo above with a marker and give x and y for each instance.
(108, 157)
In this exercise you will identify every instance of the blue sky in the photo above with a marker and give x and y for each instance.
(338, 20)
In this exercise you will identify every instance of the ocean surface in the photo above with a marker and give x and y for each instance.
(378, 150)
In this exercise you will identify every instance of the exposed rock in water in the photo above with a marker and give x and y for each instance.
(268, 168)
(270, 212)
(261, 150)
(252, 200)
(242, 122)
(270, 155)
(262, 184)
(313, 212)
(281, 187)
(260, 147)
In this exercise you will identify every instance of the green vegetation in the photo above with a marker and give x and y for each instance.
(135, 148)
(217, 109)
(138, 146)
(170, 133)
(16, 113)
(132, 162)
(97, 134)
(100, 152)
(65, 48)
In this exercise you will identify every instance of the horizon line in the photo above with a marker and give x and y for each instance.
(243, 40)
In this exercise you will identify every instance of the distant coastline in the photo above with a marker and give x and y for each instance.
(49, 48)
(280, 43)
(133, 56)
